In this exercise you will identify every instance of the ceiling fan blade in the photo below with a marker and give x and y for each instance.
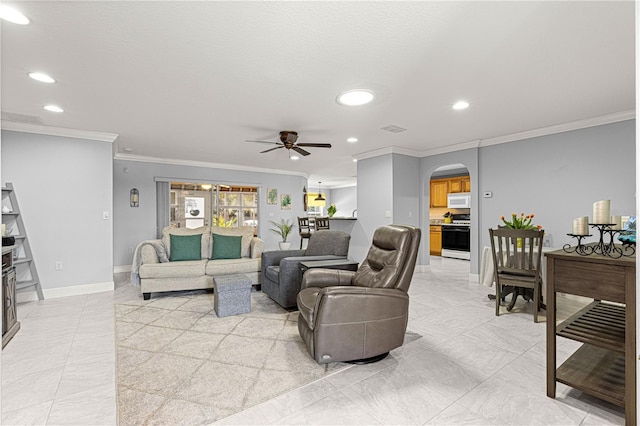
(300, 151)
(269, 142)
(316, 145)
(271, 149)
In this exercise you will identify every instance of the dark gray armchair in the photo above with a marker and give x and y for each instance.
(281, 268)
(362, 315)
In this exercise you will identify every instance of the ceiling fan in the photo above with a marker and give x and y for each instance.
(288, 139)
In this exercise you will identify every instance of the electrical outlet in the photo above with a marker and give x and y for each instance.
(58, 266)
(130, 250)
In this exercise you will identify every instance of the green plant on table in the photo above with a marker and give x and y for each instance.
(282, 228)
(331, 210)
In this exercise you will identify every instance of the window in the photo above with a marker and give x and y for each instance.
(195, 204)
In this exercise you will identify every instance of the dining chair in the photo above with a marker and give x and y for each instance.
(304, 228)
(517, 260)
(321, 223)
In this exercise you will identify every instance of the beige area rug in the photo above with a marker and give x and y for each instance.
(178, 363)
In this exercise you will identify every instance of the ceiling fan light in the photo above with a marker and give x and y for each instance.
(294, 157)
(355, 97)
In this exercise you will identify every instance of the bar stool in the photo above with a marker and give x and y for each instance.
(322, 223)
(304, 228)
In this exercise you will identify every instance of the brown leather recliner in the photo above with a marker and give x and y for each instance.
(362, 315)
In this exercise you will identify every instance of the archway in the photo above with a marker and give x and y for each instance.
(449, 212)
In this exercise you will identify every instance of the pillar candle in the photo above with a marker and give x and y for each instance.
(616, 221)
(601, 212)
(581, 226)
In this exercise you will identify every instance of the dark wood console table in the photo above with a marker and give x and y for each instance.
(605, 365)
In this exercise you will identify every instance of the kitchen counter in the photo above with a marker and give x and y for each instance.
(343, 218)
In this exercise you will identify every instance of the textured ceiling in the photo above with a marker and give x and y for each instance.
(192, 80)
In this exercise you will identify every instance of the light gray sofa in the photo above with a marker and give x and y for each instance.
(160, 276)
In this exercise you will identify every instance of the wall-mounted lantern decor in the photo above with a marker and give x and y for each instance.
(134, 197)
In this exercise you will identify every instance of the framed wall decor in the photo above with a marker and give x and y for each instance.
(285, 202)
(272, 196)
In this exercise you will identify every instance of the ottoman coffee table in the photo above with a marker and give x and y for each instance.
(232, 294)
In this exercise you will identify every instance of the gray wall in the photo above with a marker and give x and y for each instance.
(559, 177)
(406, 190)
(136, 224)
(63, 186)
(375, 199)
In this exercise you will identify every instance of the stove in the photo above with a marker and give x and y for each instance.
(456, 237)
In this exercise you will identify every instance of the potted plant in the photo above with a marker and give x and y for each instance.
(331, 210)
(283, 229)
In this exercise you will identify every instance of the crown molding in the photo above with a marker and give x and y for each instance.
(512, 137)
(205, 164)
(451, 148)
(563, 127)
(387, 150)
(58, 131)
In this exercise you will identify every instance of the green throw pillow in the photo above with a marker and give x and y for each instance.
(227, 246)
(185, 247)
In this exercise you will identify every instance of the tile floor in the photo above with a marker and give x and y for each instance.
(470, 367)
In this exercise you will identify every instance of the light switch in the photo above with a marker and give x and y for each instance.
(105, 215)
(387, 213)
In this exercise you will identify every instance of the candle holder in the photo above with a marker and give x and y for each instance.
(581, 249)
(606, 243)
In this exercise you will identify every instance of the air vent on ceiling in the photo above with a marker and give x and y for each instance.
(393, 129)
(21, 118)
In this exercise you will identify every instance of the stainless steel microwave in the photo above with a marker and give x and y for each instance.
(459, 200)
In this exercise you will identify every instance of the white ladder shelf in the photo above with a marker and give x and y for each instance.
(15, 228)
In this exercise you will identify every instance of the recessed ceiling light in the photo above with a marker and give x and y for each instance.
(53, 108)
(355, 160)
(41, 77)
(355, 97)
(12, 15)
(461, 105)
(295, 157)
(352, 140)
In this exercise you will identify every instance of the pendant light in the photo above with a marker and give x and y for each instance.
(319, 197)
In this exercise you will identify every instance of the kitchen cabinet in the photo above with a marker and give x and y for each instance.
(439, 190)
(451, 185)
(435, 240)
(605, 365)
(460, 184)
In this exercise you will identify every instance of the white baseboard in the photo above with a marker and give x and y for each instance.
(422, 268)
(121, 268)
(76, 290)
(474, 278)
